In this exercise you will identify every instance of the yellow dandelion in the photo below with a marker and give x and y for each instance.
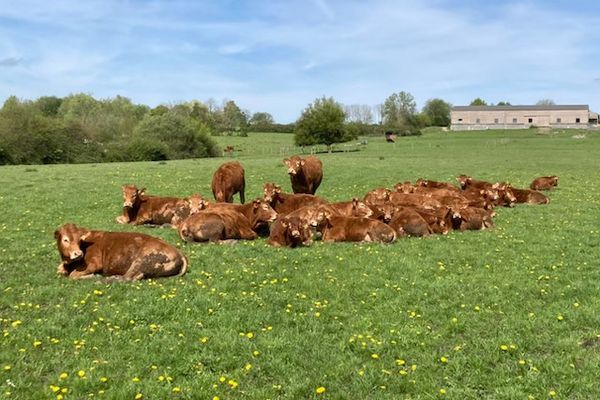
(233, 384)
(522, 362)
(320, 390)
(552, 393)
(248, 367)
(81, 373)
(7, 368)
(104, 379)
(138, 396)
(216, 398)
(176, 389)
(249, 335)
(403, 372)
(442, 391)
(64, 390)
(54, 388)
(256, 353)
(444, 360)
(560, 317)
(135, 379)
(59, 397)
(504, 347)
(63, 375)
(37, 343)
(400, 362)
(375, 356)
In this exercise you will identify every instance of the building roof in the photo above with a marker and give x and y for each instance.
(522, 108)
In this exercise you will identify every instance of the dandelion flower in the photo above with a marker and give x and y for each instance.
(7, 368)
(176, 389)
(320, 390)
(138, 396)
(442, 391)
(375, 356)
(444, 360)
(64, 375)
(504, 347)
(81, 373)
(552, 393)
(104, 379)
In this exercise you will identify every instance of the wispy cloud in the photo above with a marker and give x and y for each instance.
(10, 61)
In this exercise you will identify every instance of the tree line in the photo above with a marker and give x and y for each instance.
(80, 128)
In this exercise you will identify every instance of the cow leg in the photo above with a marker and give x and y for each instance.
(81, 274)
(133, 274)
(242, 194)
(61, 270)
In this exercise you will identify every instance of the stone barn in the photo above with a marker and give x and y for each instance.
(519, 117)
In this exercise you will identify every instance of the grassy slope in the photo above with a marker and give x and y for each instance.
(338, 316)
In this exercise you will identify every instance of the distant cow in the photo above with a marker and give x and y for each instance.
(529, 196)
(305, 173)
(285, 203)
(140, 208)
(466, 181)
(352, 208)
(228, 180)
(474, 218)
(544, 183)
(131, 256)
(351, 229)
(435, 184)
(290, 231)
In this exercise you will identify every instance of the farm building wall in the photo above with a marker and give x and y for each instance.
(519, 117)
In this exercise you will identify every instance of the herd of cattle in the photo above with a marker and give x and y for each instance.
(288, 219)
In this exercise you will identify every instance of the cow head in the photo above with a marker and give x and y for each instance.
(406, 187)
(421, 182)
(196, 203)
(377, 196)
(131, 195)
(293, 164)
(384, 212)
(263, 212)
(271, 192)
(554, 179)
(464, 181)
(320, 214)
(297, 230)
(360, 209)
(506, 196)
(68, 240)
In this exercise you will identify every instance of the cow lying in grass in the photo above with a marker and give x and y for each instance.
(140, 208)
(130, 256)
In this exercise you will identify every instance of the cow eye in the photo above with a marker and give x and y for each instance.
(66, 240)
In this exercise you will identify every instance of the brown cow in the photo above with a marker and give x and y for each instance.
(377, 196)
(285, 203)
(305, 173)
(140, 208)
(528, 196)
(436, 185)
(411, 199)
(290, 231)
(352, 208)
(383, 212)
(351, 229)
(473, 218)
(131, 256)
(216, 225)
(409, 222)
(544, 182)
(258, 212)
(228, 180)
(466, 181)
(404, 187)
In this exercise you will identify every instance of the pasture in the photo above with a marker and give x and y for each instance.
(507, 313)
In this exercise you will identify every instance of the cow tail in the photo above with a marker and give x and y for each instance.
(184, 268)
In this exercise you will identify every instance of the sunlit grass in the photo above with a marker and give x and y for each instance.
(501, 314)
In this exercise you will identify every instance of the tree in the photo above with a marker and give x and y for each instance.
(360, 113)
(322, 122)
(234, 120)
(400, 114)
(261, 120)
(478, 102)
(545, 102)
(49, 105)
(503, 103)
(437, 112)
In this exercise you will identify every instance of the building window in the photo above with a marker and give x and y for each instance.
(530, 120)
(558, 120)
(514, 120)
(477, 120)
(495, 120)
(577, 120)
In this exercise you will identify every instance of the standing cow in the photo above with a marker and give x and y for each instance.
(228, 180)
(131, 256)
(305, 173)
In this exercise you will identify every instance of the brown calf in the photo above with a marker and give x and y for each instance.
(529, 196)
(352, 208)
(228, 180)
(216, 225)
(409, 222)
(377, 196)
(131, 256)
(285, 203)
(290, 231)
(412, 199)
(306, 174)
(351, 229)
(257, 213)
(436, 185)
(473, 218)
(544, 182)
(139, 208)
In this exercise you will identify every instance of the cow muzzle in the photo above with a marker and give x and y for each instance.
(127, 204)
(76, 255)
(292, 171)
(295, 233)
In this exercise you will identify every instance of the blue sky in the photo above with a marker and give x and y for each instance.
(278, 56)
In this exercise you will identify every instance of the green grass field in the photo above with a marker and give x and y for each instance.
(509, 313)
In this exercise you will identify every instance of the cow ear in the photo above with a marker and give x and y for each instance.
(85, 235)
(277, 189)
(256, 203)
(56, 234)
(142, 191)
(302, 162)
(284, 223)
